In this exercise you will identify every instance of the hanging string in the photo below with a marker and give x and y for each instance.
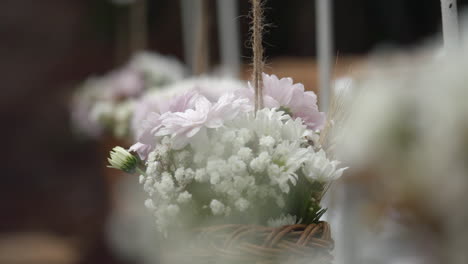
(257, 47)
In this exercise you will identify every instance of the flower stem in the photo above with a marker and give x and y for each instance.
(140, 171)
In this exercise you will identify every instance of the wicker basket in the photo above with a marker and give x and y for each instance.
(298, 243)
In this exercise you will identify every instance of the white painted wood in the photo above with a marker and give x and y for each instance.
(324, 51)
(229, 37)
(190, 11)
(450, 24)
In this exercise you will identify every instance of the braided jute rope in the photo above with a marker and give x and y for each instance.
(257, 48)
(297, 243)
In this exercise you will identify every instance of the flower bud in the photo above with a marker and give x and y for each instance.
(123, 160)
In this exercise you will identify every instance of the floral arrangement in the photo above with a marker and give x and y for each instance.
(407, 129)
(105, 104)
(209, 159)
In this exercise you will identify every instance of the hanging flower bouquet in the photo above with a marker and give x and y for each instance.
(251, 182)
(105, 104)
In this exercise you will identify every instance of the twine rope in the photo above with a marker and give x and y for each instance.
(257, 47)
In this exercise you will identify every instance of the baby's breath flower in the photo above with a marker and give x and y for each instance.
(184, 197)
(260, 163)
(166, 186)
(217, 207)
(149, 204)
(283, 220)
(215, 178)
(179, 174)
(242, 204)
(245, 154)
(267, 142)
(253, 163)
(200, 175)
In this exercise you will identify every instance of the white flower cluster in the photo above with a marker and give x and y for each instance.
(253, 168)
(283, 220)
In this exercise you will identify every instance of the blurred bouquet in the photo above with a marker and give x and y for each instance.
(207, 159)
(105, 104)
(408, 128)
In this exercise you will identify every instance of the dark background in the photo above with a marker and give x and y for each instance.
(51, 180)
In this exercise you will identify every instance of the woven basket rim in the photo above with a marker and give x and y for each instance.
(249, 242)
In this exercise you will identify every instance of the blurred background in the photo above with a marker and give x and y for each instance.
(54, 201)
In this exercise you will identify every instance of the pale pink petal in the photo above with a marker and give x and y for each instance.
(183, 102)
(141, 149)
(284, 93)
(143, 108)
(145, 138)
(192, 132)
(313, 120)
(270, 102)
(227, 108)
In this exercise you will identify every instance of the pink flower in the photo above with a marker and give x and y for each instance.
(206, 103)
(146, 118)
(181, 103)
(284, 94)
(146, 140)
(227, 108)
(183, 126)
(182, 118)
